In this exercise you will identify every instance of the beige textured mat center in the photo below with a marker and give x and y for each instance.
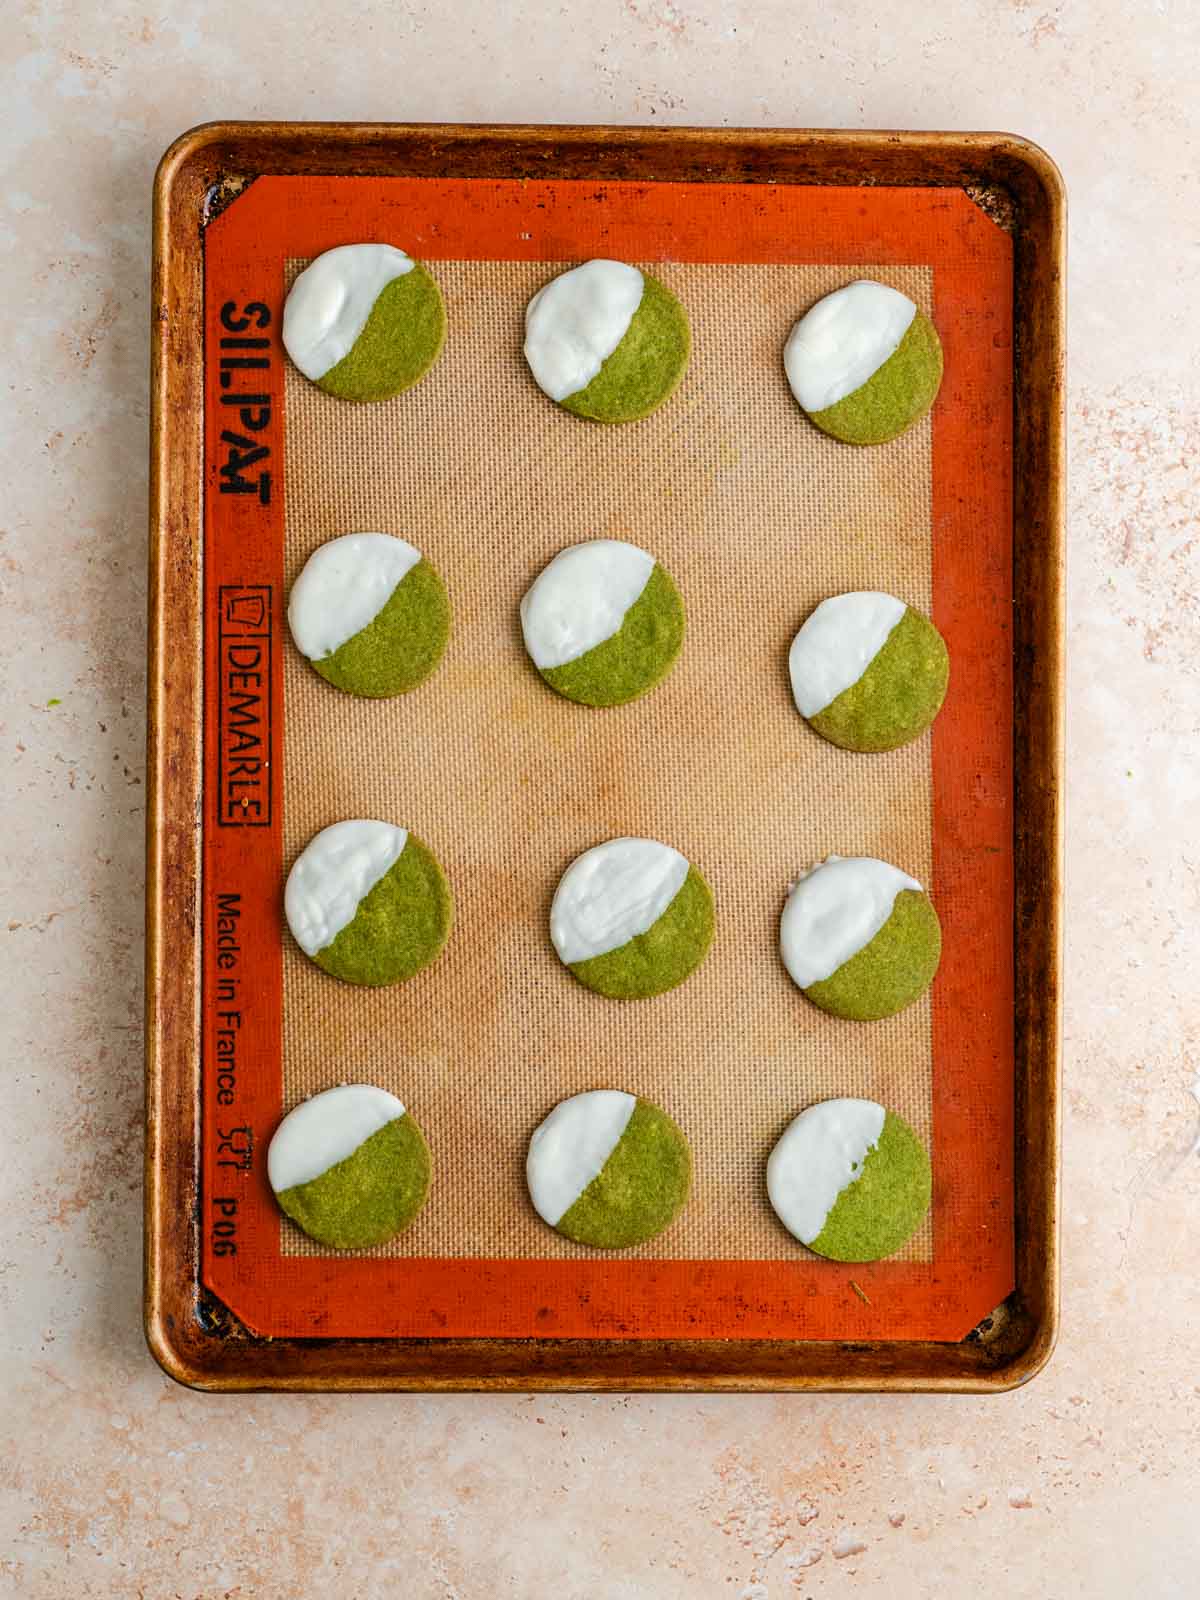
(757, 516)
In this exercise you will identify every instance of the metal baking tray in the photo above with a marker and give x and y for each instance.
(199, 1295)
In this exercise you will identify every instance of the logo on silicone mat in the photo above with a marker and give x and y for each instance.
(244, 666)
(245, 358)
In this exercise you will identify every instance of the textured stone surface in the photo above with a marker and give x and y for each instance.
(113, 1482)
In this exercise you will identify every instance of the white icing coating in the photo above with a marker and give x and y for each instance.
(580, 599)
(336, 870)
(837, 644)
(329, 303)
(343, 586)
(834, 911)
(844, 340)
(571, 1147)
(322, 1131)
(820, 1153)
(576, 321)
(611, 893)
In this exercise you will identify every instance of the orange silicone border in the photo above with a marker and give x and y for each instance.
(972, 757)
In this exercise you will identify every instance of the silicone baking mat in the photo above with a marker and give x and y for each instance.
(758, 517)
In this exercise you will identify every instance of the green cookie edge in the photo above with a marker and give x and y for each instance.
(647, 366)
(638, 656)
(897, 697)
(893, 398)
(414, 894)
(891, 970)
(885, 1205)
(401, 645)
(400, 341)
(665, 955)
(641, 1188)
(370, 1196)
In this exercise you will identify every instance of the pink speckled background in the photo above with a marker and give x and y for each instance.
(113, 1482)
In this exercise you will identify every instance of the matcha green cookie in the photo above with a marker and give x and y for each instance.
(607, 341)
(370, 614)
(864, 363)
(608, 1169)
(868, 672)
(860, 937)
(349, 1166)
(364, 321)
(368, 902)
(603, 622)
(631, 918)
(850, 1180)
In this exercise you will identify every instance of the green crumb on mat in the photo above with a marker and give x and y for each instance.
(399, 927)
(400, 646)
(639, 655)
(892, 970)
(401, 340)
(646, 367)
(884, 1205)
(893, 398)
(55, 702)
(898, 695)
(669, 951)
(641, 1188)
(370, 1196)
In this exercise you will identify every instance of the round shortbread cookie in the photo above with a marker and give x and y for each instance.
(350, 1166)
(364, 321)
(864, 363)
(868, 672)
(370, 614)
(860, 937)
(607, 341)
(368, 902)
(603, 623)
(609, 1169)
(850, 1180)
(632, 918)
